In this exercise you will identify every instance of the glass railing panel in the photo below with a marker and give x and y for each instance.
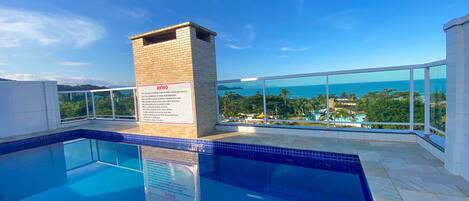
(107, 152)
(77, 153)
(438, 99)
(90, 105)
(297, 101)
(370, 97)
(124, 104)
(72, 106)
(102, 102)
(419, 99)
(122, 155)
(128, 156)
(241, 102)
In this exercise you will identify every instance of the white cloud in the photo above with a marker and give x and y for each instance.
(236, 47)
(64, 80)
(73, 63)
(135, 13)
(225, 37)
(250, 34)
(23, 27)
(81, 80)
(19, 76)
(290, 49)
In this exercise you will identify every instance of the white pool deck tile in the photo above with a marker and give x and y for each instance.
(417, 196)
(396, 171)
(451, 198)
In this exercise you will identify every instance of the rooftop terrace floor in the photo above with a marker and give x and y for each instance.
(395, 170)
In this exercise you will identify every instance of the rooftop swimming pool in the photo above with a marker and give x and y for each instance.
(97, 165)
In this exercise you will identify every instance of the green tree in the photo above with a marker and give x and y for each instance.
(284, 93)
(438, 110)
(385, 106)
(229, 104)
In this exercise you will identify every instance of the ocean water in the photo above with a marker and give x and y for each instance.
(359, 89)
(96, 170)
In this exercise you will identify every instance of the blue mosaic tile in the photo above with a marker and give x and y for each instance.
(33, 142)
(307, 158)
(257, 152)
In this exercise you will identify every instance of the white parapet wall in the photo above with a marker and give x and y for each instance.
(318, 132)
(28, 107)
(352, 134)
(457, 96)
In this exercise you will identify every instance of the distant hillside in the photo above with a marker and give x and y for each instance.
(61, 87)
(223, 87)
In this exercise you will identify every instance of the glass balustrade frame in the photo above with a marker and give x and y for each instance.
(262, 90)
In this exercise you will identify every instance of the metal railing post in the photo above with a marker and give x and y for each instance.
(217, 99)
(140, 164)
(411, 99)
(112, 105)
(327, 102)
(427, 101)
(86, 103)
(60, 108)
(117, 153)
(93, 105)
(264, 102)
(135, 104)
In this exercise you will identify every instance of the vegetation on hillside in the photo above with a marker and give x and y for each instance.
(73, 105)
(378, 106)
(62, 87)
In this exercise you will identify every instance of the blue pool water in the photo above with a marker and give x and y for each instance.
(89, 169)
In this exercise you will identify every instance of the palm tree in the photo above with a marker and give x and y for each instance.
(353, 97)
(300, 106)
(284, 94)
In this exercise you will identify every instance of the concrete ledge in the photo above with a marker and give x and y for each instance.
(327, 133)
(430, 148)
(456, 22)
(373, 135)
(74, 123)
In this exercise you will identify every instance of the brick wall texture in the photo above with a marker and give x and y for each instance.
(184, 59)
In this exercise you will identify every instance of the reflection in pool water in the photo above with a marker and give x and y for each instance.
(87, 169)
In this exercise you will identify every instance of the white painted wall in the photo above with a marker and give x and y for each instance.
(457, 96)
(331, 133)
(341, 134)
(28, 107)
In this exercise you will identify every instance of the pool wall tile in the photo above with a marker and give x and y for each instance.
(308, 158)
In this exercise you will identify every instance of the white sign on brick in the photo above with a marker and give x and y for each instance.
(166, 103)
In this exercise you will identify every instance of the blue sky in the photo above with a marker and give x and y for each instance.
(77, 42)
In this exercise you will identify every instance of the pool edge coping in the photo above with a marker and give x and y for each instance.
(72, 134)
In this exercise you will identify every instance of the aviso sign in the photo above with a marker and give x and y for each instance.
(166, 103)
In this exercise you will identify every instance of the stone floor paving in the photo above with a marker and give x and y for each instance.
(396, 171)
